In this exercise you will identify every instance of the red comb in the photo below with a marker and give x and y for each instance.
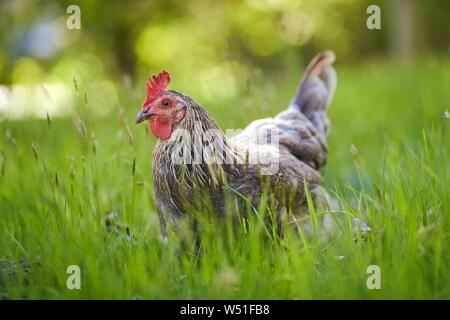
(156, 85)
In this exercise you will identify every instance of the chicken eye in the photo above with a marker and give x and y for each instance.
(165, 103)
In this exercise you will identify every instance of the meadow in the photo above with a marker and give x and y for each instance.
(388, 166)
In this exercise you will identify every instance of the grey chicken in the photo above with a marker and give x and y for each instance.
(196, 166)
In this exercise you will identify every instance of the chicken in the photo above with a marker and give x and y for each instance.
(195, 165)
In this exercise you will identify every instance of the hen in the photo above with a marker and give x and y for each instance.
(195, 165)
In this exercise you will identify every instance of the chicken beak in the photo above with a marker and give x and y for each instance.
(143, 115)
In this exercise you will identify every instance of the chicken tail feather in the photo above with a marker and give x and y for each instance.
(316, 88)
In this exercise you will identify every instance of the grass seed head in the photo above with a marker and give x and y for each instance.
(35, 152)
(49, 121)
(2, 163)
(10, 138)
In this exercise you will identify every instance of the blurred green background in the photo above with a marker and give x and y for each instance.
(213, 49)
(198, 36)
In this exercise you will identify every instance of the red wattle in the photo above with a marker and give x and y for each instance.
(162, 129)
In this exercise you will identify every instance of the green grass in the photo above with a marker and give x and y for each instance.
(57, 182)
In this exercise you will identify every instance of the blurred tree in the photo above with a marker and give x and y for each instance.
(404, 26)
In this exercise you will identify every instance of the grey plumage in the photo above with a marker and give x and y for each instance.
(300, 155)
